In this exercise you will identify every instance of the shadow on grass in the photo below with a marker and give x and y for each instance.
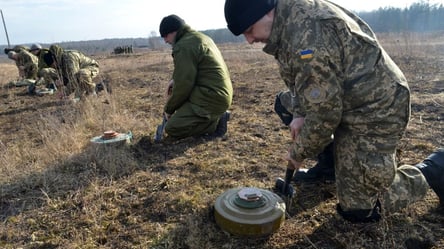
(64, 179)
(32, 108)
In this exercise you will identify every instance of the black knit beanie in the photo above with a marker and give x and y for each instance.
(241, 14)
(170, 24)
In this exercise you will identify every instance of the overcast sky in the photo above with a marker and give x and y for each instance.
(51, 21)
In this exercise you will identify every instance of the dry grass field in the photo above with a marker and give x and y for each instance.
(58, 190)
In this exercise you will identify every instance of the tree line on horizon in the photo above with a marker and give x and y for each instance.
(418, 17)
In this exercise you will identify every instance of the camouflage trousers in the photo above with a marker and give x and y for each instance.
(366, 170)
(28, 72)
(83, 82)
(79, 83)
(365, 174)
(191, 120)
(48, 76)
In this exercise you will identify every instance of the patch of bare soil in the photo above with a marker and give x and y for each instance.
(59, 191)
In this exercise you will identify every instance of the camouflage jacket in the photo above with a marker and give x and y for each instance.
(340, 76)
(69, 62)
(26, 61)
(200, 73)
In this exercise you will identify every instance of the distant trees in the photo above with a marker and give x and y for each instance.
(154, 41)
(223, 36)
(103, 46)
(419, 17)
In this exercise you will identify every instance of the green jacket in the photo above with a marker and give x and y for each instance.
(200, 73)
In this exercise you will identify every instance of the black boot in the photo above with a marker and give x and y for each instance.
(361, 215)
(221, 128)
(433, 170)
(222, 125)
(323, 171)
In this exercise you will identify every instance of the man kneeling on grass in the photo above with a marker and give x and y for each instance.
(200, 92)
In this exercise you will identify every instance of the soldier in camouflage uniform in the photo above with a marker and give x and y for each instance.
(26, 62)
(342, 83)
(46, 74)
(75, 69)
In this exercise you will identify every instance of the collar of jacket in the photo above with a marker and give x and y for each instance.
(275, 36)
(182, 31)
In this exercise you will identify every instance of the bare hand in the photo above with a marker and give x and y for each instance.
(296, 126)
(169, 90)
(292, 164)
(167, 116)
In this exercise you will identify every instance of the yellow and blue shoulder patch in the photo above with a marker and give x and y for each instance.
(306, 54)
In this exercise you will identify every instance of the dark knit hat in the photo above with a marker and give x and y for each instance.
(241, 14)
(170, 24)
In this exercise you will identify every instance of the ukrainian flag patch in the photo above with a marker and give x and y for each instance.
(306, 54)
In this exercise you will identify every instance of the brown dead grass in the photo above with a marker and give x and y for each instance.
(59, 191)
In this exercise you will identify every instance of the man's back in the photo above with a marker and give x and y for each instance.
(201, 74)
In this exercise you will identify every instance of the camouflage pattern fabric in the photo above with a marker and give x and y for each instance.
(290, 103)
(344, 83)
(18, 48)
(367, 171)
(76, 69)
(27, 63)
(42, 63)
(49, 75)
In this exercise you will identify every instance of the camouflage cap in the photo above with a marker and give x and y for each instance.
(17, 48)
